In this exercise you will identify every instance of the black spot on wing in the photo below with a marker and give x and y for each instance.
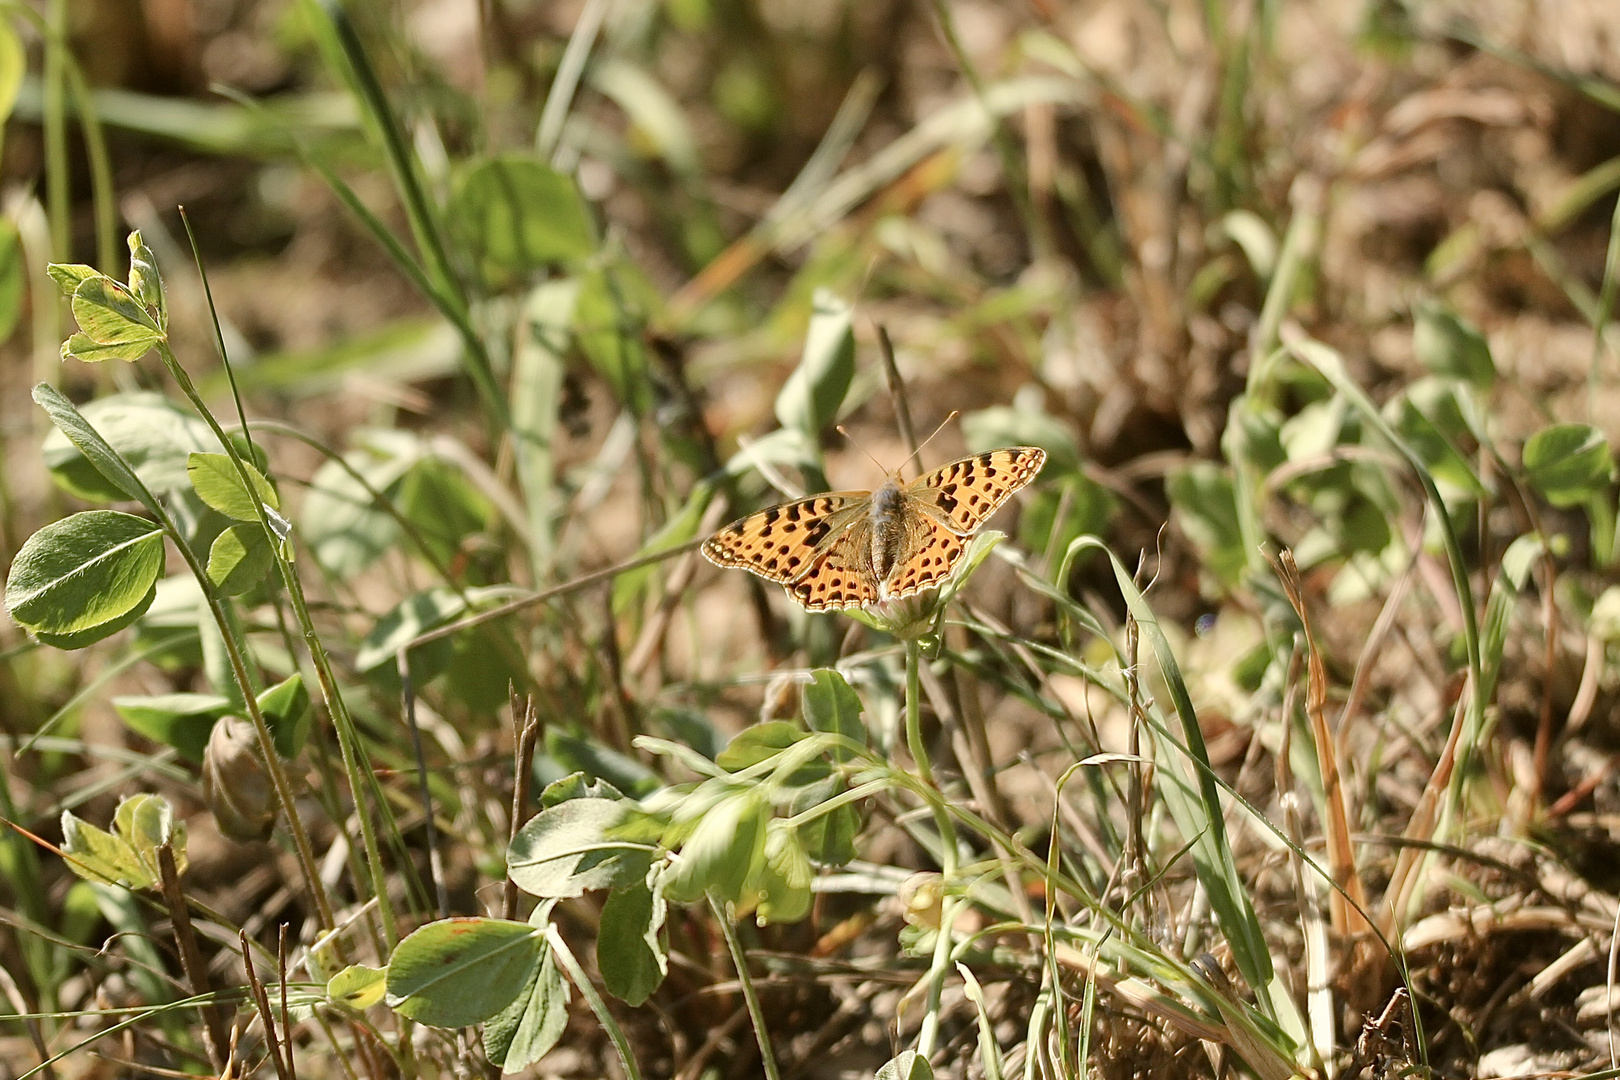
(831, 583)
(929, 566)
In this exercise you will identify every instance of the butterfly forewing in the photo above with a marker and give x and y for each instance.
(965, 493)
(781, 542)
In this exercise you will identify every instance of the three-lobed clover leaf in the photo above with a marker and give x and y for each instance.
(117, 321)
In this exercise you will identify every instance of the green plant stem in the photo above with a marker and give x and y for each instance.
(348, 741)
(55, 123)
(101, 176)
(1040, 241)
(565, 956)
(442, 296)
(219, 334)
(914, 739)
(342, 722)
(1605, 308)
(940, 965)
(750, 994)
(566, 81)
(418, 209)
(261, 729)
(235, 651)
(1307, 198)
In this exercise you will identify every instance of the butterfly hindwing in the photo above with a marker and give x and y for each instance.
(965, 493)
(779, 543)
(837, 580)
(934, 555)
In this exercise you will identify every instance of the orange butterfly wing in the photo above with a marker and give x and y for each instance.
(838, 578)
(935, 552)
(780, 543)
(965, 493)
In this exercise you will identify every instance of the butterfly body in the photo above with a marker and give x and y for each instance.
(847, 549)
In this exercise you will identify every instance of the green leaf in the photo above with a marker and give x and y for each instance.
(722, 849)
(630, 947)
(659, 119)
(989, 1044)
(517, 215)
(1451, 407)
(693, 727)
(345, 530)
(1006, 425)
(85, 572)
(828, 838)
(456, 972)
(526, 1030)
(69, 276)
(1513, 573)
(127, 855)
(484, 661)
(576, 786)
(600, 762)
(783, 882)
(1449, 345)
(1446, 463)
(1205, 503)
(357, 987)
(571, 847)
(811, 397)
(613, 306)
(412, 616)
(1568, 463)
(1251, 233)
(286, 711)
(756, 743)
(144, 280)
(443, 506)
(218, 483)
(80, 639)
(909, 1065)
(239, 558)
(109, 314)
(539, 373)
(180, 720)
(13, 273)
(831, 704)
(80, 347)
(125, 446)
(784, 447)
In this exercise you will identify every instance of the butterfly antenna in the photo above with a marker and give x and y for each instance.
(845, 433)
(928, 440)
(896, 472)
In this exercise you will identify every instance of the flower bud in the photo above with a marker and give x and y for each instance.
(236, 782)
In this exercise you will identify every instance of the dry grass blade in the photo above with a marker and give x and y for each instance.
(1346, 903)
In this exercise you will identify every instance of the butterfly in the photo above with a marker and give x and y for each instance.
(850, 549)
